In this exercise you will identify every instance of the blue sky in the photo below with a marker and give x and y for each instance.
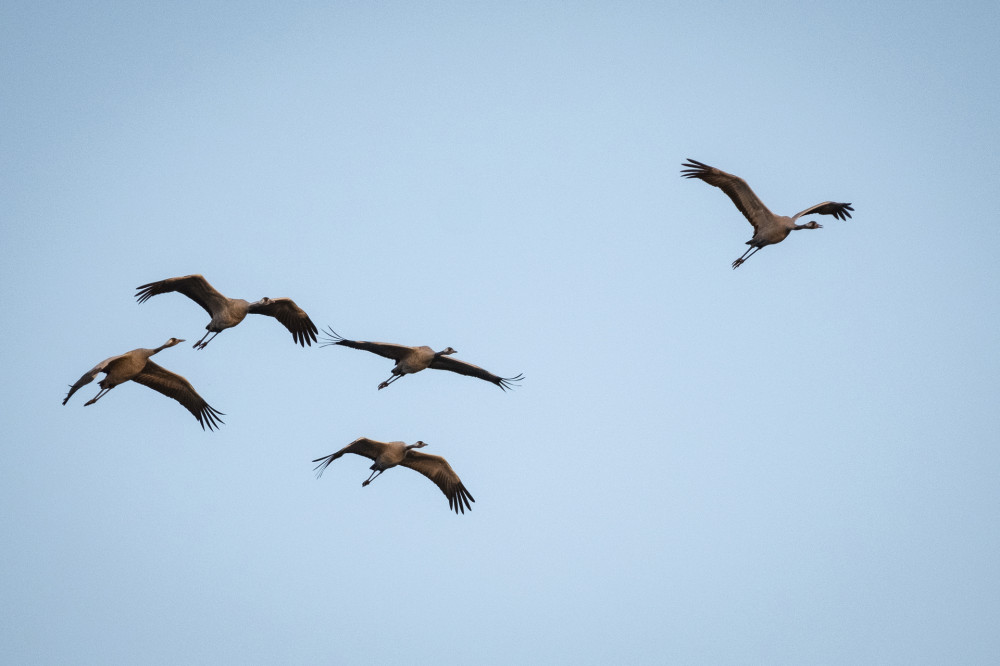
(793, 462)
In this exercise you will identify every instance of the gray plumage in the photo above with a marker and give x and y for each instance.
(228, 312)
(391, 454)
(136, 366)
(414, 359)
(768, 227)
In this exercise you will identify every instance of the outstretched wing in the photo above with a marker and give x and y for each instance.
(735, 188)
(838, 210)
(463, 368)
(440, 472)
(174, 386)
(386, 349)
(369, 448)
(194, 287)
(291, 317)
(90, 376)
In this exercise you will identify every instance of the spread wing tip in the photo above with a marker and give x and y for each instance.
(324, 462)
(332, 337)
(506, 383)
(460, 501)
(210, 418)
(694, 168)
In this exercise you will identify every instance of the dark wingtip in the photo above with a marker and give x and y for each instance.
(693, 169)
(308, 336)
(460, 502)
(143, 292)
(509, 382)
(333, 337)
(210, 417)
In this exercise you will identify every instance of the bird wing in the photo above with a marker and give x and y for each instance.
(463, 368)
(386, 349)
(194, 287)
(291, 317)
(174, 386)
(735, 188)
(369, 448)
(90, 376)
(838, 210)
(440, 472)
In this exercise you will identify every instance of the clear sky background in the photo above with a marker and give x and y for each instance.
(794, 462)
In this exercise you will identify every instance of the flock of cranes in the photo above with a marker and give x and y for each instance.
(225, 312)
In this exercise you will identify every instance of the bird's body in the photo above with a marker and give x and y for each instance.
(137, 366)
(228, 312)
(419, 358)
(769, 228)
(390, 454)
(414, 359)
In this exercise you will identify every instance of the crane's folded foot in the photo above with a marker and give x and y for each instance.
(382, 385)
(365, 483)
(90, 402)
(736, 264)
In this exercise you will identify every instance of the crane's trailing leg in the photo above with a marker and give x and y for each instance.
(388, 381)
(746, 255)
(373, 476)
(202, 345)
(97, 397)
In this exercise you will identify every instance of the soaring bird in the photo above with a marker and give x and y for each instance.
(390, 454)
(768, 227)
(414, 359)
(228, 312)
(135, 365)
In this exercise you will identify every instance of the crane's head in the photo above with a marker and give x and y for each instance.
(812, 225)
(418, 445)
(446, 351)
(169, 343)
(264, 301)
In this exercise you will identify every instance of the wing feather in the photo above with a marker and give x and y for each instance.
(839, 211)
(291, 316)
(90, 376)
(385, 349)
(174, 386)
(463, 368)
(440, 472)
(194, 287)
(369, 448)
(735, 188)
